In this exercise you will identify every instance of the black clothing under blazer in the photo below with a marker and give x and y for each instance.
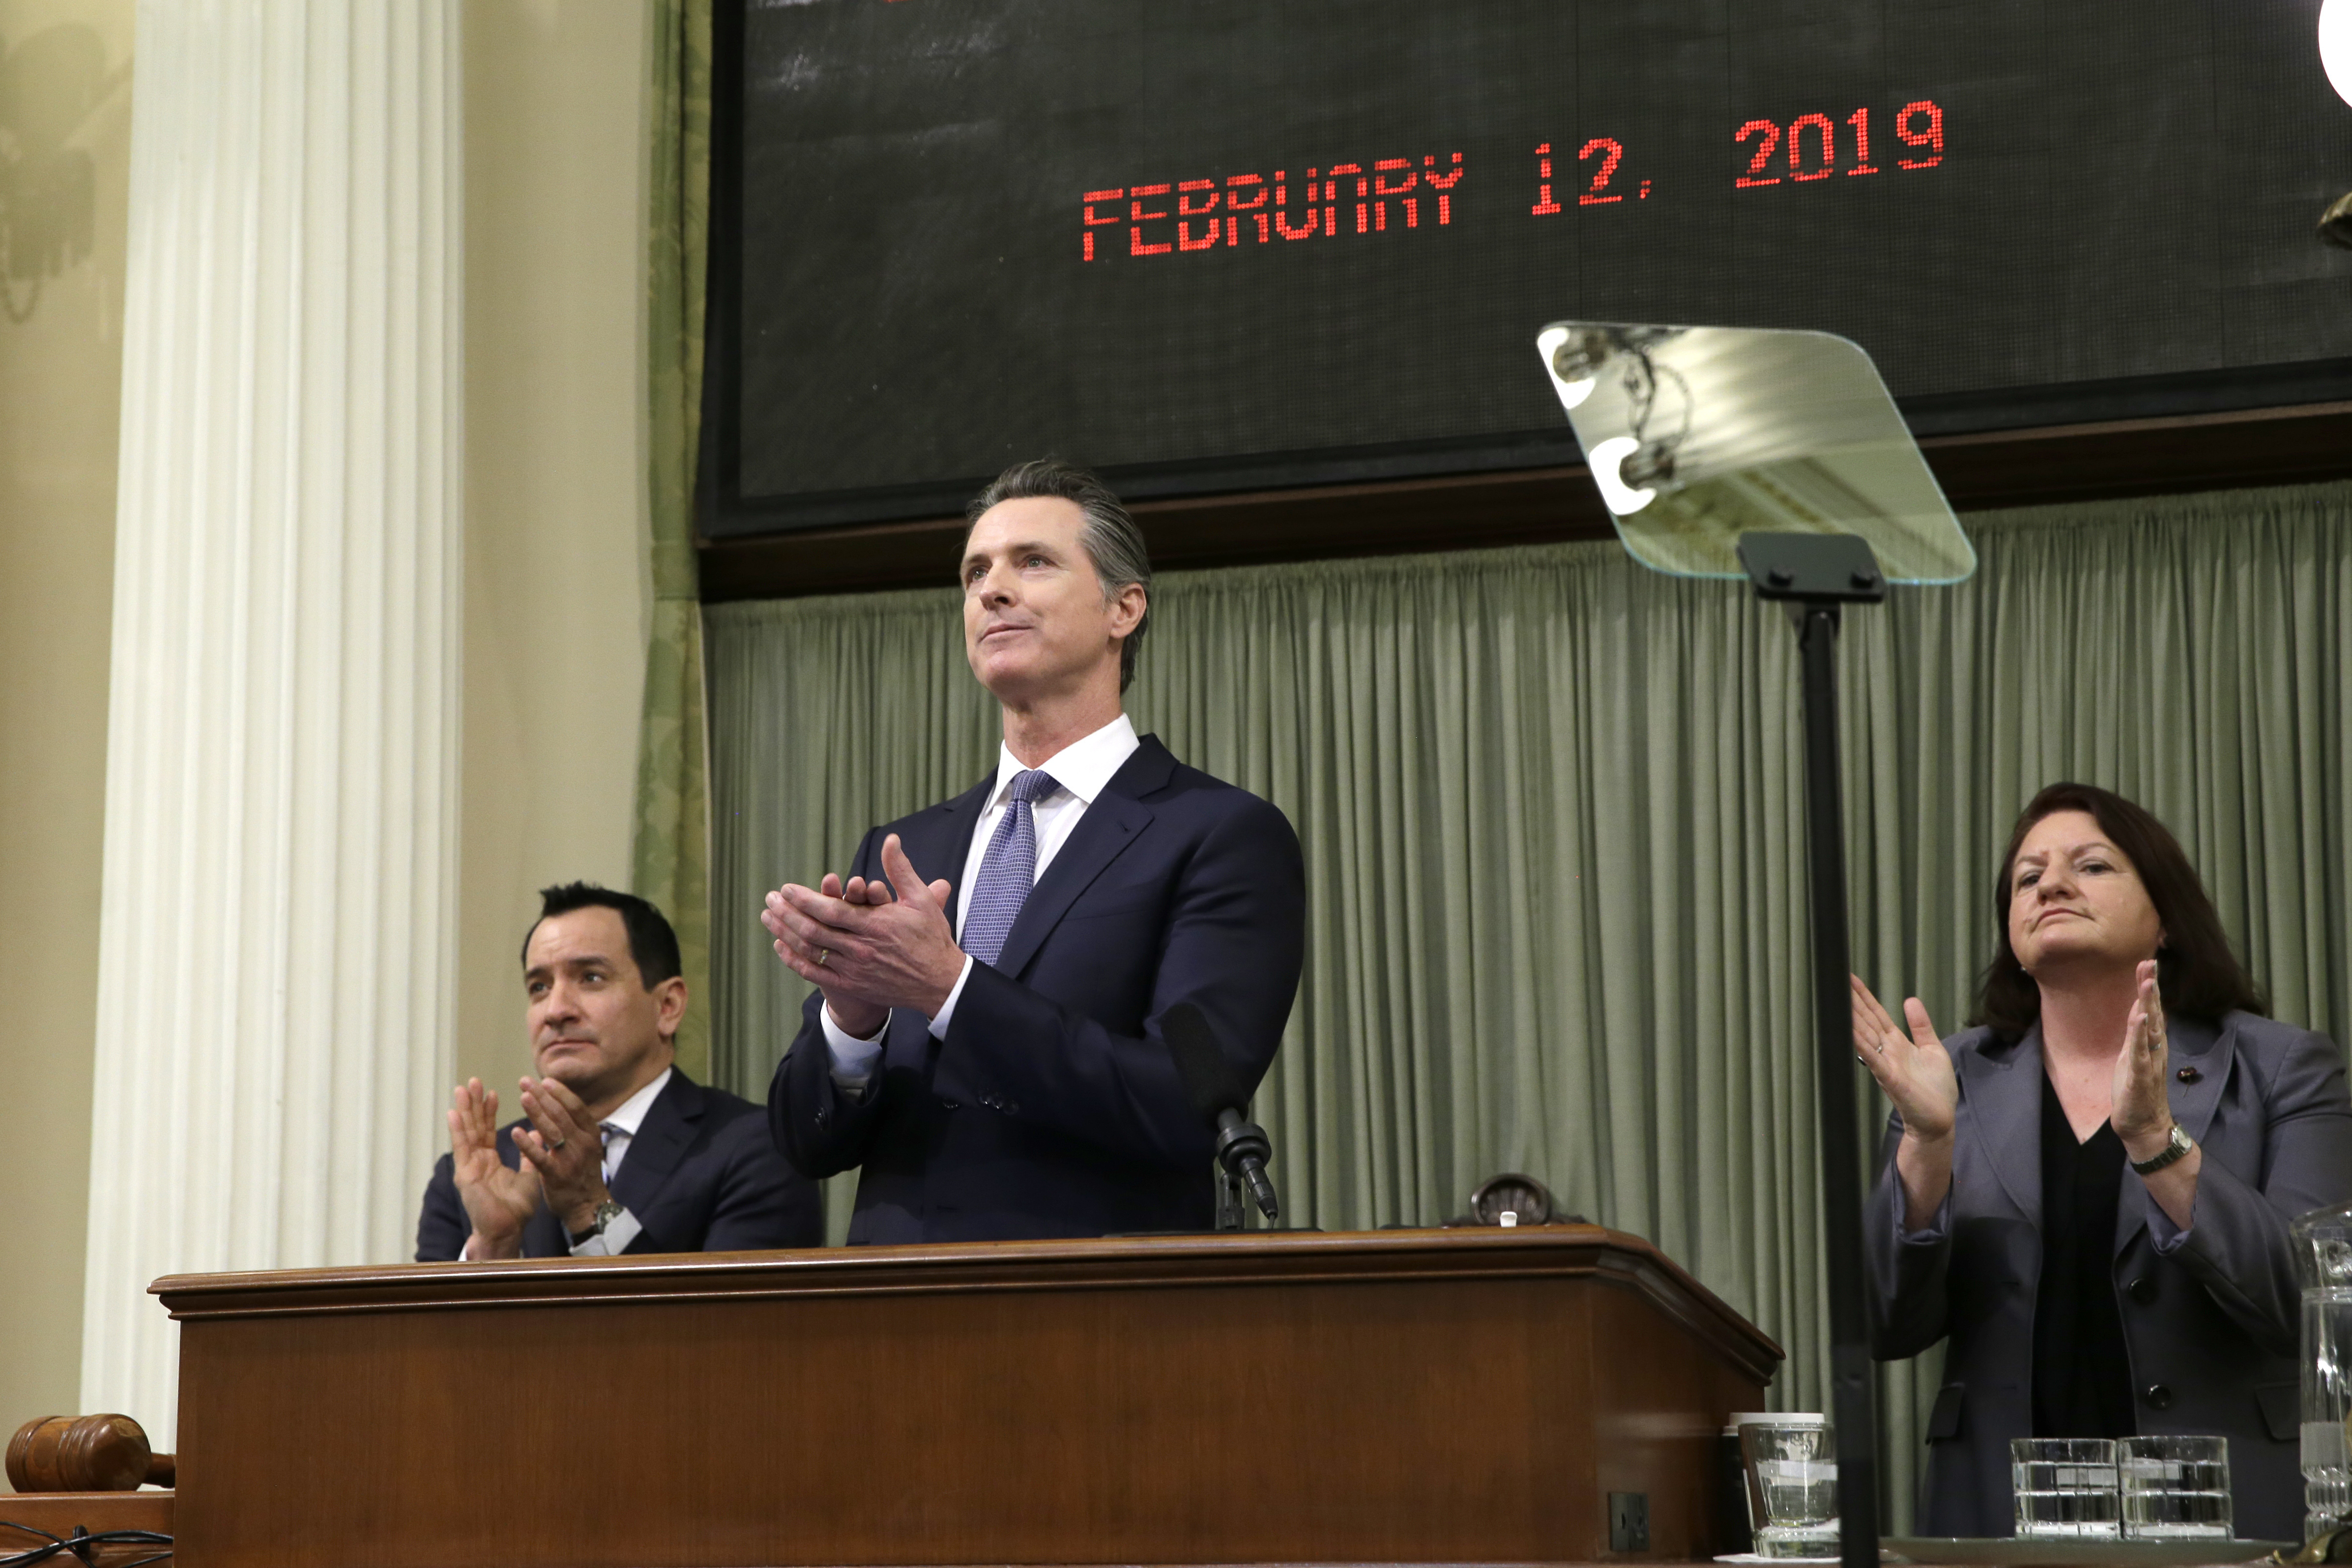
(2210, 1326)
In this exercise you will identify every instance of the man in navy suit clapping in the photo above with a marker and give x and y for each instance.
(617, 1150)
(985, 1039)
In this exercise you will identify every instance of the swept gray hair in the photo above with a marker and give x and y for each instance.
(1108, 533)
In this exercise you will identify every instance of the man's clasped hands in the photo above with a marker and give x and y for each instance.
(868, 949)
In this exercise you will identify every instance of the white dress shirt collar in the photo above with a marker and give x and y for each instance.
(1084, 767)
(630, 1114)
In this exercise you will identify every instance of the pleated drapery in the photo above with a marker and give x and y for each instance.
(277, 957)
(1552, 811)
(670, 839)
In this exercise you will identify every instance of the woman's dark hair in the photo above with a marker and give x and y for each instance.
(2199, 975)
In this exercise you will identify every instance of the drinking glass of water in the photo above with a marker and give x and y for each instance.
(2066, 1486)
(2323, 1258)
(2175, 1489)
(1792, 1464)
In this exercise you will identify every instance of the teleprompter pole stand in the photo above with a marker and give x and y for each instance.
(1813, 574)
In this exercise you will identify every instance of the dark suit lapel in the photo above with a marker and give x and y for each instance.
(2000, 1106)
(2211, 1053)
(1102, 834)
(946, 841)
(939, 843)
(661, 1140)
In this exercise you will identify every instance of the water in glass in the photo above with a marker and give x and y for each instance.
(2066, 1486)
(2175, 1489)
(2323, 1256)
(1792, 1486)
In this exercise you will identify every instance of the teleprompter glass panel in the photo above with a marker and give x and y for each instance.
(1698, 435)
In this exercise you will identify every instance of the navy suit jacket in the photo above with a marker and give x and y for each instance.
(2210, 1321)
(1053, 1106)
(700, 1175)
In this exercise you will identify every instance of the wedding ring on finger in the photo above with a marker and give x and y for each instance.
(822, 954)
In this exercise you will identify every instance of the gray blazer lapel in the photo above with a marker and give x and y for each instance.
(2000, 1110)
(2209, 1053)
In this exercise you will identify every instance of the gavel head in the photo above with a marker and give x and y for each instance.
(80, 1454)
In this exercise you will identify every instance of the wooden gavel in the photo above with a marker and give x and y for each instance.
(85, 1453)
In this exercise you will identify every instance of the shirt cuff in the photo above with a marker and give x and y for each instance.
(613, 1242)
(947, 1009)
(2162, 1234)
(853, 1060)
(1929, 1235)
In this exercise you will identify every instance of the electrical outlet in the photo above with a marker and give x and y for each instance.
(1629, 1521)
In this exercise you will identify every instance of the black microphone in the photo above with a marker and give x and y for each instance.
(1216, 1091)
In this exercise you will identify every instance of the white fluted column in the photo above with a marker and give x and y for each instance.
(276, 963)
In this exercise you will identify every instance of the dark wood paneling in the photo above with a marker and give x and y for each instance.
(1398, 1397)
(1999, 468)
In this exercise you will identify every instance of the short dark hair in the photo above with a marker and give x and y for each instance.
(652, 943)
(1113, 542)
(2199, 975)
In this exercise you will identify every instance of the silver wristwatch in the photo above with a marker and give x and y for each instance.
(608, 1211)
(2176, 1149)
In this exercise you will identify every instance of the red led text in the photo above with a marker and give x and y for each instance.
(1596, 167)
(1388, 194)
(1808, 147)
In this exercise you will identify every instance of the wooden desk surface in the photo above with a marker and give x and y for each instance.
(1247, 1259)
(1388, 1396)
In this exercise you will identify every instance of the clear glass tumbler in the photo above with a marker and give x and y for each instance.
(2066, 1486)
(1792, 1464)
(2175, 1489)
(2322, 1256)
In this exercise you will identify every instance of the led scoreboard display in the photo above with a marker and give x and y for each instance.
(1210, 245)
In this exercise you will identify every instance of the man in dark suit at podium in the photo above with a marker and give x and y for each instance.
(985, 1040)
(617, 1150)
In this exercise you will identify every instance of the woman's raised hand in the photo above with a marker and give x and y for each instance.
(2143, 1106)
(1914, 1070)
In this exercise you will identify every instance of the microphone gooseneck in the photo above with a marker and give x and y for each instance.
(1221, 1101)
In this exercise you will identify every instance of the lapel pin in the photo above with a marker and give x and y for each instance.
(2188, 1075)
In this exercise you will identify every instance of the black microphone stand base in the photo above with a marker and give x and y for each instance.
(1231, 1215)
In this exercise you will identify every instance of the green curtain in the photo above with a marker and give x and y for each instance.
(1552, 812)
(669, 848)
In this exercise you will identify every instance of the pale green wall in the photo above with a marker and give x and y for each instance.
(557, 593)
(64, 89)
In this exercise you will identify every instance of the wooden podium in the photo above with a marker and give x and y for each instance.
(1457, 1395)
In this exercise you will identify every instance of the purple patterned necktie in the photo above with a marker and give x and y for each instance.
(1007, 871)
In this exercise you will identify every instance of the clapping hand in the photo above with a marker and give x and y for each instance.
(566, 1147)
(498, 1201)
(867, 950)
(1917, 1074)
(2142, 1113)
(1914, 1070)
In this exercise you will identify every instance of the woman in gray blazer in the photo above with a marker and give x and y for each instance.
(2088, 1189)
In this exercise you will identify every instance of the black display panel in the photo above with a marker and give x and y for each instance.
(1208, 244)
